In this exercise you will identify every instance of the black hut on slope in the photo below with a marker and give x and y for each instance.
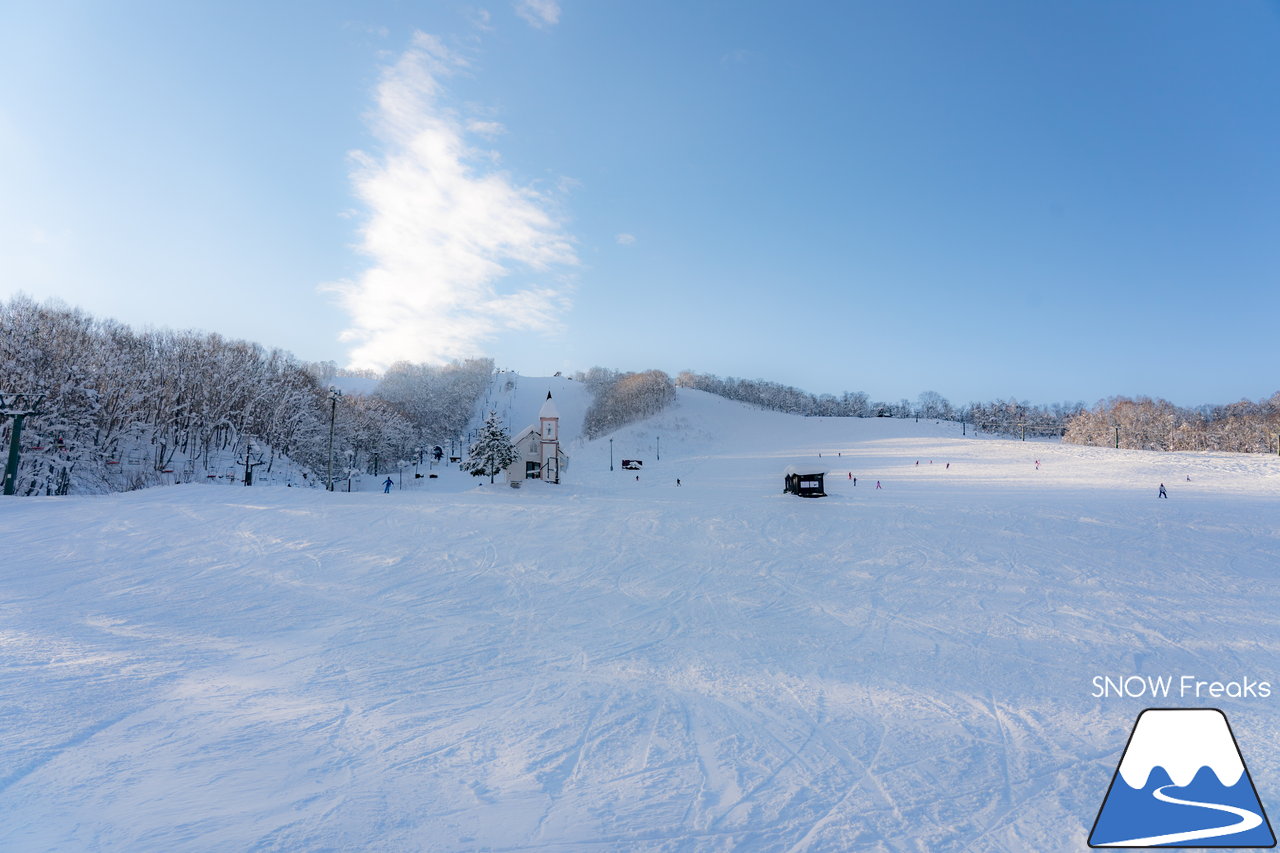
(803, 485)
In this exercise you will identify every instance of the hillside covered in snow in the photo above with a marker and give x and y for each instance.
(621, 663)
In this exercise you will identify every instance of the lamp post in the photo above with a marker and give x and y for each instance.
(334, 394)
(659, 448)
(611, 454)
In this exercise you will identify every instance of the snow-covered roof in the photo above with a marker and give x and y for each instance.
(549, 409)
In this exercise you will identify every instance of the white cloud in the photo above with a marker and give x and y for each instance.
(442, 232)
(626, 239)
(539, 13)
(489, 129)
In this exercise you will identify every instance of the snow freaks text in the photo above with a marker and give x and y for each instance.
(1178, 687)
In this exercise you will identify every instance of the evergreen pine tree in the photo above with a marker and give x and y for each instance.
(492, 451)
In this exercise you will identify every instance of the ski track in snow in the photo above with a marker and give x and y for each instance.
(623, 665)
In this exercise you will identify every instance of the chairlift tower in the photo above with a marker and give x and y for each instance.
(18, 407)
(250, 462)
(334, 395)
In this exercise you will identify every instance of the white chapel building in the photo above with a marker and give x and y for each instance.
(538, 448)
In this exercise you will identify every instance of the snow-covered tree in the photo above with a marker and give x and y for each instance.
(934, 406)
(623, 398)
(439, 400)
(781, 398)
(125, 409)
(492, 451)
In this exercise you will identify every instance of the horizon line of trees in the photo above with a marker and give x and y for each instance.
(1145, 423)
(1005, 417)
(191, 401)
(124, 409)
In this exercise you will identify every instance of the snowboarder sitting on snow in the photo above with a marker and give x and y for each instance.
(1163, 493)
(386, 486)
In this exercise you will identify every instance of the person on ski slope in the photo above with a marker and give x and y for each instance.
(386, 486)
(1163, 493)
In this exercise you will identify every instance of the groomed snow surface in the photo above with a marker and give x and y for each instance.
(614, 664)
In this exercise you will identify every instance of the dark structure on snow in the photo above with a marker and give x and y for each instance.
(803, 485)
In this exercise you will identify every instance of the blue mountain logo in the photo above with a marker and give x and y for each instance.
(1182, 782)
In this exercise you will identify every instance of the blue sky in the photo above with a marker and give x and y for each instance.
(1058, 201)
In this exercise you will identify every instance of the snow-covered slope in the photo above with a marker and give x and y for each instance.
(518, 398)
(622, 664)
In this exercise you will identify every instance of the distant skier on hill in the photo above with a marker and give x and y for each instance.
(1163, 493)
(386, 486)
